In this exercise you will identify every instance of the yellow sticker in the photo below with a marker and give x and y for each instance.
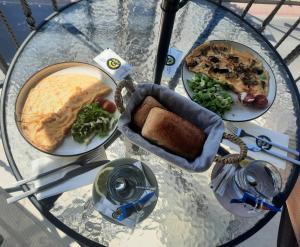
(113, 63)
(170, 60)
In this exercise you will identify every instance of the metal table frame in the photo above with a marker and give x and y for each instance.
(169, 9)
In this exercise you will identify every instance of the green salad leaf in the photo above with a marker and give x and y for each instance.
(92, 120)
(210, 94)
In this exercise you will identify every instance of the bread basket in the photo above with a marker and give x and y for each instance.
(211, 123)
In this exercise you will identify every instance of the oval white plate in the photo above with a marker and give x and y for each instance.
(68, 147)
(238, 112)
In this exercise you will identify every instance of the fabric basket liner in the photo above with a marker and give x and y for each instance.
(210, 122)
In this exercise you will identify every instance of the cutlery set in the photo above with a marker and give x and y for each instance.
(81, 166)
(255, 148)
(221, 182)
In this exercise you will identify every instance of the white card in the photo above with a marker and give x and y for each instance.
(173, 61)
(113, 64)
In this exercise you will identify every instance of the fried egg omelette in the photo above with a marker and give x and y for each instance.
(52, 106)
(240, 71)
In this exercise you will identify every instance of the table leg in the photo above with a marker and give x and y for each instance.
(169, 9)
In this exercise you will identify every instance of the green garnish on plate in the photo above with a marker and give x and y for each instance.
(92, 120)
(210, 94)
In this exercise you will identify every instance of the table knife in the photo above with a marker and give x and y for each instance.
(67, 176)
(255, 148)
(55, 170)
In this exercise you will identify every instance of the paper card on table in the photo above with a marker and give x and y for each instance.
(113, 64)
(256, 130)
(173, 61)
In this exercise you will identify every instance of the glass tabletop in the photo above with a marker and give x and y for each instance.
(187, 212)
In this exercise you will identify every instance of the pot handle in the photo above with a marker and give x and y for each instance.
(233, 158)
(128, 84)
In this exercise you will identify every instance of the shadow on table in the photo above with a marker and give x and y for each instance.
(5, 166)
(20, 228)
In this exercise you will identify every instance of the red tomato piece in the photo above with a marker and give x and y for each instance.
(100, 101)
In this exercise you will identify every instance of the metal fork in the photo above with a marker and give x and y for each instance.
(242, 133)
(81, 161)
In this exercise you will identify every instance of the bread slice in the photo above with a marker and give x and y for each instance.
(142, 111)
(174, 133)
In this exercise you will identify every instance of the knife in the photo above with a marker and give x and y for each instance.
(43, 174)
(67, 176)
(255, 148)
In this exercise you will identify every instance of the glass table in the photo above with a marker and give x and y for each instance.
(187, 212)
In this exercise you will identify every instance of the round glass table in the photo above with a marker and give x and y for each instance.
(187, 212)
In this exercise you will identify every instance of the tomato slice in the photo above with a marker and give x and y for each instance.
(106, 104)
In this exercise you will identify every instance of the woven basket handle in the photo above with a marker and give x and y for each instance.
(128, 84)
(233, 158)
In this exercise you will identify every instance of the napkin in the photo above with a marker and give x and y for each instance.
(112, 63)
(49, 163)
(256, 130)
(173, 61)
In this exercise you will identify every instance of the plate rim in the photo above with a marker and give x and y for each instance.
(252, 50)
(19, 94)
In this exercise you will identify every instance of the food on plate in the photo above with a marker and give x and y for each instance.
(168, 130)
(239, 71)
(106, 104)
(173, 133)
(259, 101)
(94, 119)
(210, 94)
(53, 104)
(142, 111)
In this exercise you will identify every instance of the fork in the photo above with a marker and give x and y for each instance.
(242, 133)
(81, 161)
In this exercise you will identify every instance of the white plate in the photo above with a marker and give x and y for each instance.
(238, 112)
(68, 147)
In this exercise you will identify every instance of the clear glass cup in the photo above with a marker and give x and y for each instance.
(259, 178)
(247, 190)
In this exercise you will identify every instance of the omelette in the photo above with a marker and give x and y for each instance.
(239, 71)
(52, 106)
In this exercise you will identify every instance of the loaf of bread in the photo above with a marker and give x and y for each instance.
(142, 111)
(173, 133)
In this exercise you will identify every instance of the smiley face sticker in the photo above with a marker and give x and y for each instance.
(113, 63)
(170, 60)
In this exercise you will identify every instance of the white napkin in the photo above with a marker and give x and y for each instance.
(256, 130)
(112, 63)
(49, 163)
(173, 61)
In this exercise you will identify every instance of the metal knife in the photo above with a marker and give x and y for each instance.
(67, 176)
(255, 148)
(43, 174)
